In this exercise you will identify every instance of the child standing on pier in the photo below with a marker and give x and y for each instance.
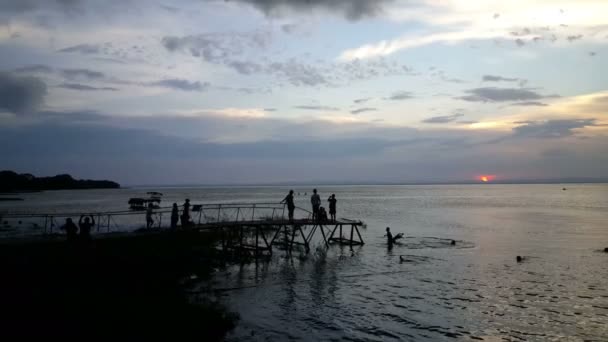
(332, 207)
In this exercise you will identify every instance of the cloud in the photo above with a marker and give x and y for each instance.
(21, 95)
(530, 103)
(85, 49)
(492, 78)
(455, 22)
(83, 87)
(574, 37)
(321, 108)
(37, 68)
(362, 100)
(245, 68)
(350, 9)
(82, 73)
(180, 84)
(551, 128)
(402, 95)
(362, 110)
(443, 119)
(493, 94)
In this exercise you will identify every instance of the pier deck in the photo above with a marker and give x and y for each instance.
(253, 228)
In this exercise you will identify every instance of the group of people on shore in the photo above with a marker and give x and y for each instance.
(82, 232)
(318, 212)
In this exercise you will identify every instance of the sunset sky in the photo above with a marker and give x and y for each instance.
(273, 91)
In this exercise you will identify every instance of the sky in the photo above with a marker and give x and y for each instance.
(304, 91)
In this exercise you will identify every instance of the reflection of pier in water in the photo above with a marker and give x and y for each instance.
(243, 227)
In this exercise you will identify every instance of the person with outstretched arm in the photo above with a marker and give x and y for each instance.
(390, 238)
(86, 226)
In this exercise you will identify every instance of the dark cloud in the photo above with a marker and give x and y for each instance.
(179, 84)
(493, 78)
(86, 49)
(493, 94)
(21, 95)
(362, 100)
(218, 47)
(402, 95)
(37, 69)
(298, 74)
(84, 87)
(66, 73)
(496, 15)
(530, 103)
(82, 74)
(443, 119)
(322, 108)
(551, 128)
(520, 42)
(270, 109)
(592, 53)
(288, 28)
(22, 6)
(362, 110)
(573, 38)
(351, 9)
(245, 68)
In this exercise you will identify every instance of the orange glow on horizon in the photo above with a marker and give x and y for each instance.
(486, 178)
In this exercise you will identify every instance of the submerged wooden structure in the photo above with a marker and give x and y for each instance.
(243, 228)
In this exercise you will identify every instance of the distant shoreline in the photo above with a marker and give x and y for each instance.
(12, 182)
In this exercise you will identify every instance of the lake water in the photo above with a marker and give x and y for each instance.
(471, 291)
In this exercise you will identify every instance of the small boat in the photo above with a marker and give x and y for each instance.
(138, 203)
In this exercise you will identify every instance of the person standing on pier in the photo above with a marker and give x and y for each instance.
(174, 216)
(186, 214)
(85, 227)
(332, 207)
(149, 219)
(290, 205)
(315, 200)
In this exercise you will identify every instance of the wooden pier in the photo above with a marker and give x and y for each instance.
(251, 228)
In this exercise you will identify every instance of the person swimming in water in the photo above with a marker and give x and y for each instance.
(390, 238)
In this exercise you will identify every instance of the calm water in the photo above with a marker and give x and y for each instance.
(474, 290)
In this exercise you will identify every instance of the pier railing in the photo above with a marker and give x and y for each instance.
(26, 224)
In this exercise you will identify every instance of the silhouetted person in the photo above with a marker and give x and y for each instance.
(453, 243)
(70, 230)
(519, 258)
(606, 249)
(290, 205)
(186, 214)
(322, 214)
(389, 237)
(332, 206)
(149, 219)
(174, 216)
(315, 200)
(86, 226)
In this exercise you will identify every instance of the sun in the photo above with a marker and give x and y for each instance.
(486, 178)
